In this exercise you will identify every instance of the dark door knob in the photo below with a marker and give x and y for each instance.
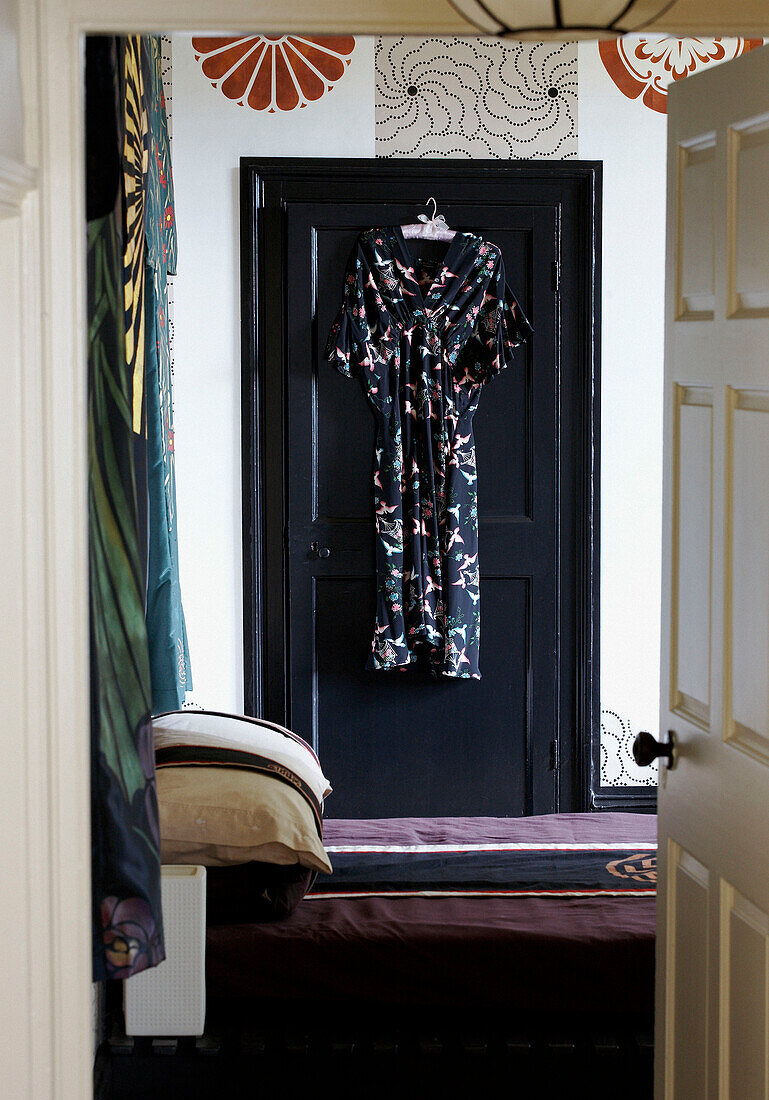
(646, 749)
(319, 551)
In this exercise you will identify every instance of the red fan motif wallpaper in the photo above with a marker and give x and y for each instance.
(644, 67)
(274, 72)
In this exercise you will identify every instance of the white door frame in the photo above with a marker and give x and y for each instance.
(44, 627)
(44, 789)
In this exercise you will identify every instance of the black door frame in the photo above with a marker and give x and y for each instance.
(264, 184)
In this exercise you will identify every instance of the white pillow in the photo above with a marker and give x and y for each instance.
(237, 734)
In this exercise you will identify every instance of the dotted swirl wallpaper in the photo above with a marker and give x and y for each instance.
(475, 98)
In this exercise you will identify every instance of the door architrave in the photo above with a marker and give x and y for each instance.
(267, 185)
(52, 617)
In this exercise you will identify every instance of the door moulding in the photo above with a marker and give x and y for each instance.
(263, 460)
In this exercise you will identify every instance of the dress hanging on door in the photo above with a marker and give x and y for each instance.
(424, 338)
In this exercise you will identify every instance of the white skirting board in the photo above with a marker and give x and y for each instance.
(170, 999)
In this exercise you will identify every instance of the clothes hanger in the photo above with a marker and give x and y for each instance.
(432, 229)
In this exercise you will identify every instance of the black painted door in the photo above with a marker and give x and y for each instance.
(401, 743)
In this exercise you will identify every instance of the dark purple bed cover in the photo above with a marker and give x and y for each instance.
(533, 954)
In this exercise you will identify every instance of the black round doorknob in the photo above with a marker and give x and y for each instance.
(647, 749)
(324, 552)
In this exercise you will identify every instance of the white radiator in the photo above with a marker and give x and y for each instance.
(170, 999)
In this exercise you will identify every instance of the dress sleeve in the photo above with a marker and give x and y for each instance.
(501, 326)
(361, 335)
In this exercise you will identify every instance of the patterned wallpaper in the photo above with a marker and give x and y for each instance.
(273, 73)
(166, 70)
(474, 97)
(618, 768)
(645, 67)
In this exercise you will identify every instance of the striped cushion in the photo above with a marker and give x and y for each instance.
(210, 739)
(233, 789)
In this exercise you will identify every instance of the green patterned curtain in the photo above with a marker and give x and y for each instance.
(139, 656)
(169, 654)
(127, 919)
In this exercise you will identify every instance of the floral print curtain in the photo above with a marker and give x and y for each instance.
(129, 454)
(169, 653)
(127, 919)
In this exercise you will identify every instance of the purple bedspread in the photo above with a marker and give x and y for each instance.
(532, 954)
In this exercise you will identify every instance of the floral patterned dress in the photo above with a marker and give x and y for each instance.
(424, 339)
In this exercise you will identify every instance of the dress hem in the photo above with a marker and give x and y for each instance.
(412, 660)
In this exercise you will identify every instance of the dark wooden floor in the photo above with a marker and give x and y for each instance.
(539, 1059)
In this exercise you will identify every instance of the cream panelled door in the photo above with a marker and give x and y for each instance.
(713, 909)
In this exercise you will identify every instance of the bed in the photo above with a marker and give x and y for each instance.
(549, 927)
(441, 953)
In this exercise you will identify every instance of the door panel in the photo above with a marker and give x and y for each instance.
(690, 911)
(489, 770)
(712, 961)
(695, 226)
(748, 218)
(692, 554)
(746, 577)
(401, 743)
(744, 995)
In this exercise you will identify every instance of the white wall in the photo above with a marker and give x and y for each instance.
(210, 134)
(630, 139)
